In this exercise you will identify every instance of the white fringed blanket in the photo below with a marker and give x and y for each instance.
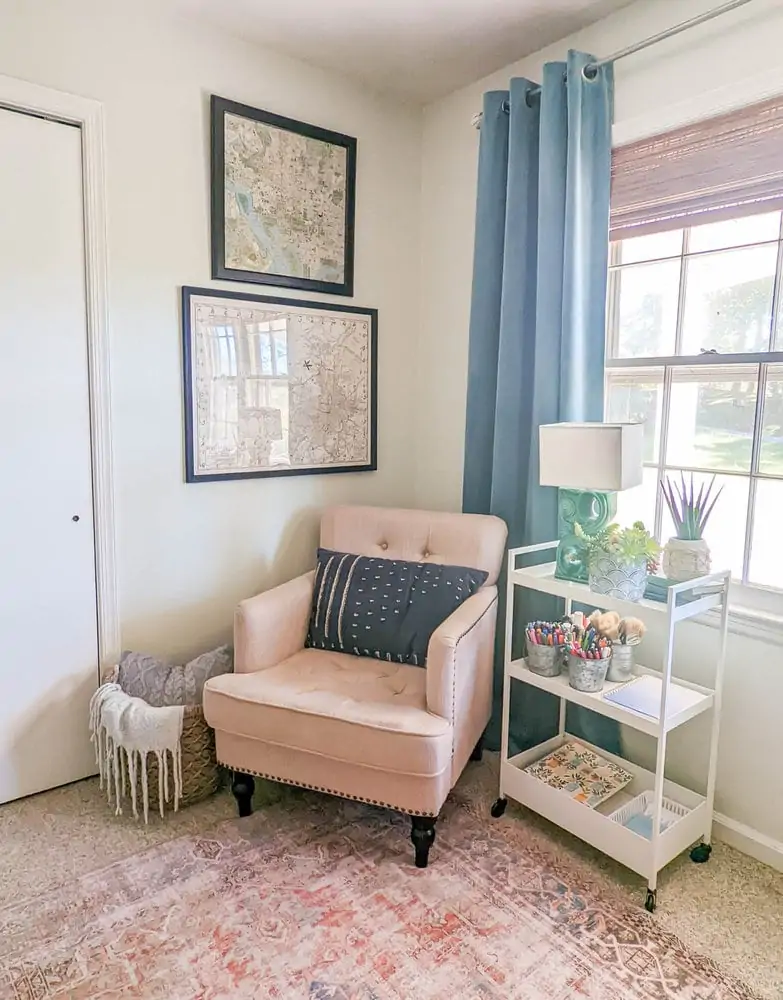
(125, 730)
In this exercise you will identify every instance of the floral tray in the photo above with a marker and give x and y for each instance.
(584, 775)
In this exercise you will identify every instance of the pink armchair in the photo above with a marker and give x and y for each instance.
(387, 733)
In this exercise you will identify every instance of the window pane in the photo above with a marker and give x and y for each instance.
(651, 247)
(728, 301)
(735, 232)
(766, 565)
(771, 457)
(711, 421)
(725, 531)
(637, 400)
(647, 309)
(265, 349)
(638, 504)
(281, 353)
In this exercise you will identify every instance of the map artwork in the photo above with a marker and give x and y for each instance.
(283, 200)
(277, 386)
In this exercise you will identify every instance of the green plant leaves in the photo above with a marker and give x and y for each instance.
(690, 511)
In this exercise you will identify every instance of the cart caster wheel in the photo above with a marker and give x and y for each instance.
(649, 903)
(498, 808)
(701, 853)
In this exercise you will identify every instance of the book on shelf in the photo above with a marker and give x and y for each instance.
(657, 589)
(642, 695)
(583, 775)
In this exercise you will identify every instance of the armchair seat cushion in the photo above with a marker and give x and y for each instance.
(348, 708)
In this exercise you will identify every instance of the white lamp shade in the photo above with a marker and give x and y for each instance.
(591, 456)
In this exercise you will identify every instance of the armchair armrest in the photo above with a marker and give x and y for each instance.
(459, 659)
(272, 626)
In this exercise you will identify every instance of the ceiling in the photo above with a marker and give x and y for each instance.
(415, 49)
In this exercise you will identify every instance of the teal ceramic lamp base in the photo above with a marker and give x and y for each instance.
(593, 511)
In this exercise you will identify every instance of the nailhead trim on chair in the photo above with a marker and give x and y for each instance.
(329, 791)
(359, 798)
(454, 672)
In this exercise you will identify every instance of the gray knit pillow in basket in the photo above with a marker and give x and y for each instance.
(161, 683)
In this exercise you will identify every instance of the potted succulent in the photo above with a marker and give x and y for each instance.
(619, 559)
(686, 555)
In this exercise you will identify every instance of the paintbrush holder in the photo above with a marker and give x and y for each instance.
(621, 663)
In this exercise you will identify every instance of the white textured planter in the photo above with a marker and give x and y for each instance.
(685, 560)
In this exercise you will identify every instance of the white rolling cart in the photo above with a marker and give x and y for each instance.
(694, 822)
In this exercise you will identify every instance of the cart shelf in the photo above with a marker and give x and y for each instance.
(703, 699)
(594, 825)
(643, 855)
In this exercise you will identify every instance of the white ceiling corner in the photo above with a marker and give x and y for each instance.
(417, 50)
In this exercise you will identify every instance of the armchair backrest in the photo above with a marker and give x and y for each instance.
(475, 540)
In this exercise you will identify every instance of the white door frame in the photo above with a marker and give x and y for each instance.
(19, 95)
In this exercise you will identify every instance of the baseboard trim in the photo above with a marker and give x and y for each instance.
(749, 841)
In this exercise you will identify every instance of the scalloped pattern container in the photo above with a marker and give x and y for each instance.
(613, 578)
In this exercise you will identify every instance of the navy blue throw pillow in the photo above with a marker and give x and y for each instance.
(385, 608)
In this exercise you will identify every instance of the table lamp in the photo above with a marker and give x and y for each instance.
(588, 463)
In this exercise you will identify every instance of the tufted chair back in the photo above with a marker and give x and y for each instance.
(475, 540)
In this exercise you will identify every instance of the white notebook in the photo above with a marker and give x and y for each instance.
(643, 696)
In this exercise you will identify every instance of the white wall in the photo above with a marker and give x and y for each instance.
(187, 553)
(732, 61)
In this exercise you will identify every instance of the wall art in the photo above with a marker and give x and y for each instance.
(277, 387)
(283, 197)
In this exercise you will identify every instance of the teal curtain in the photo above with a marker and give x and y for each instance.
(537, 321)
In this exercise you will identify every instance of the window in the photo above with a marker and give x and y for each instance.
(695, 350)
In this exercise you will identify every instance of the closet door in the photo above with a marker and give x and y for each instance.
(48, 618)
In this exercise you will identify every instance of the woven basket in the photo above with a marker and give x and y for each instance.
(200, 770)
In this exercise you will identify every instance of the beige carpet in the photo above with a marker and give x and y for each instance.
(730, 910)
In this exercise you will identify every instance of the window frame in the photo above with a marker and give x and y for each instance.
(749, 601)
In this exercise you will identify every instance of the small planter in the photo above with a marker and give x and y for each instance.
(684, 559)
(587, 675)
(617, 579)
(546, 661)
(621, 664)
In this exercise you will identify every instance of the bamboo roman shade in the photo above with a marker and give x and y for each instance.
(717, 169)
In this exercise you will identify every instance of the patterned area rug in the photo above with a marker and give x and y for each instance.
(318, 899)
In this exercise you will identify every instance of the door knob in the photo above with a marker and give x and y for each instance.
(75, 517)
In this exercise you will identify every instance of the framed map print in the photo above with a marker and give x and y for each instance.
(283, 197)
(277, 387)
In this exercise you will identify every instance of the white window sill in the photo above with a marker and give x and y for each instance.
(748, 622)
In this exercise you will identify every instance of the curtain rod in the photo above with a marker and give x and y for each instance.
(592, 68)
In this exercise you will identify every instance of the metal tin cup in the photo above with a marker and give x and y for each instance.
(621, 663)
(587, 675)
(546, 661)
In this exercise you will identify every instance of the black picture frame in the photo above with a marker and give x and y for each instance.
(219, 107)
(191, 473)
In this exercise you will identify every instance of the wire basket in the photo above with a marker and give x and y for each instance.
(637, 817)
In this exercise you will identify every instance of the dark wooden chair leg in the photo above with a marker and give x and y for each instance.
(478, 749)
(242, 788)
(423, 837)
